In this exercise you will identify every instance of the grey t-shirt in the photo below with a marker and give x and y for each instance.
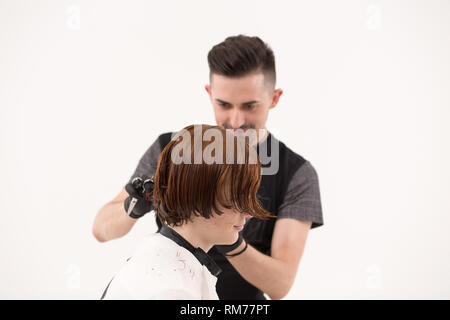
(148, 162)
(301, 200)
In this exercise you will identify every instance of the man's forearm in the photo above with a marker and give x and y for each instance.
(112, 222)
(272, 276)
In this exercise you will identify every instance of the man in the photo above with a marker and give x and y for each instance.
(242, 92)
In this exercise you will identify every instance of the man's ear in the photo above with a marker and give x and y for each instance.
(208, 89)
(275, 98)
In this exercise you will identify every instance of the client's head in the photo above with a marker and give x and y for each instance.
(207, 179)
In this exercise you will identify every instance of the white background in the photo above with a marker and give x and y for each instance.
(87, 86)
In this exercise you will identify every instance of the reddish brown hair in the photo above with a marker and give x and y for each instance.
(196, 188)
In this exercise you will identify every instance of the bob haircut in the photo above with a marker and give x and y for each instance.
(224, 175)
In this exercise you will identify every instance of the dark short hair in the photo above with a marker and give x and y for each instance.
(241, 55)
(183, 190)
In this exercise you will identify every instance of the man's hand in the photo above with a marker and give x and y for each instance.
(140, 198)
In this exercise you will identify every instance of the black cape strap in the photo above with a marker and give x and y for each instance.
(201, 255)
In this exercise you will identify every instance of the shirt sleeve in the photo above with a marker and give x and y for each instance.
(302, 198)
(148, 162)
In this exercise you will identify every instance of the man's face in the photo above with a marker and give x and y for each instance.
(242, 103)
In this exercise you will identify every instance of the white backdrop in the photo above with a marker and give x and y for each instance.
(86, 87)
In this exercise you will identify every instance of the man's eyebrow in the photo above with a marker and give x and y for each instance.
(245, 103)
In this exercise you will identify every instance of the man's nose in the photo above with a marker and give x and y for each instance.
(237, 119)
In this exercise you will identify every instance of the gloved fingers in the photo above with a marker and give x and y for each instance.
(148, 186)
(134, 188)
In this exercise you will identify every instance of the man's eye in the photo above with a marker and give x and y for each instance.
(251, 106)
(223, 105)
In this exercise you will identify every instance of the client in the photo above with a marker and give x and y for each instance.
(203, 198)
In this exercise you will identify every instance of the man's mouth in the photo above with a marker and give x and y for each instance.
(239, 228)
(239, 132)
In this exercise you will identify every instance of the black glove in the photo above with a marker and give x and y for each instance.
(141, 195)
(223, 249)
